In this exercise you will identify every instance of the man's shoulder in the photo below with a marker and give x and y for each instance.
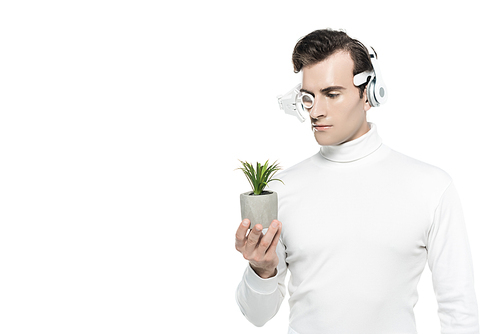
(415, 168)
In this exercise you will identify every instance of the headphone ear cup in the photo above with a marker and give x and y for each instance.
(370, 93)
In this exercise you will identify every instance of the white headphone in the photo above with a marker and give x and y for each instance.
(376, 90)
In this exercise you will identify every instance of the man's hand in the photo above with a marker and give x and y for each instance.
(258, 248)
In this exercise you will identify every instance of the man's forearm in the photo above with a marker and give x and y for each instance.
(259, 299)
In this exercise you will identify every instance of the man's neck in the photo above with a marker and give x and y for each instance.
(354, 149)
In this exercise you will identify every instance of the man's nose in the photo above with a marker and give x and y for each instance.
(317, 109)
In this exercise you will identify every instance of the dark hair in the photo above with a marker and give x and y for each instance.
(320, 44)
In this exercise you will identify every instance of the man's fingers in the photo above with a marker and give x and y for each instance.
(276, 238)
(256, 240)
(268, 239)
(241, 234)
(254, 236)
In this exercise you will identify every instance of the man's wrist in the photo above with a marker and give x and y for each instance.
(264, 286)
(264, 274)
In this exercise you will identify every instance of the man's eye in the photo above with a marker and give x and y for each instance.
(332, 95)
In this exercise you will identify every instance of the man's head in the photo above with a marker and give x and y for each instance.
(328, 61)
(320, 44)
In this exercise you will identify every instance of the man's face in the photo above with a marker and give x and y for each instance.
(338, 114)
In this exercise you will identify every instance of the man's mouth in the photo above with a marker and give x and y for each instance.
(321, 127)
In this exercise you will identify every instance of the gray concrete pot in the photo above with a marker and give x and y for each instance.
(260, 209)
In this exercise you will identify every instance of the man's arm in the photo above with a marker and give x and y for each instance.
(262, 288)
(450, 262)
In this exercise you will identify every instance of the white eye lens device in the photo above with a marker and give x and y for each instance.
(306, 99)
(291, 104)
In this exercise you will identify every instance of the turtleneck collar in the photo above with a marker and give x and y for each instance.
(355, 149)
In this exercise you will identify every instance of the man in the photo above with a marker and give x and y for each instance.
(358, 220)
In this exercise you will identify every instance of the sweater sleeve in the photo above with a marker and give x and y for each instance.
(450, 261)
(260, 299)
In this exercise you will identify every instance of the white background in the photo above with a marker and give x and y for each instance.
(121, 124)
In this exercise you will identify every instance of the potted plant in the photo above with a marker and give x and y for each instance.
(259, 206)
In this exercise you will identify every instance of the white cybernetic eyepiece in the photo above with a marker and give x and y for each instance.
(291, 105)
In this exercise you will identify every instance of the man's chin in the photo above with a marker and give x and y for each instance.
(323, 142)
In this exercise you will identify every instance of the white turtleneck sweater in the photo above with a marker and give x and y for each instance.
(360, 221)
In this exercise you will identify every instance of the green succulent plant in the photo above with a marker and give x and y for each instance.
(261, 175)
